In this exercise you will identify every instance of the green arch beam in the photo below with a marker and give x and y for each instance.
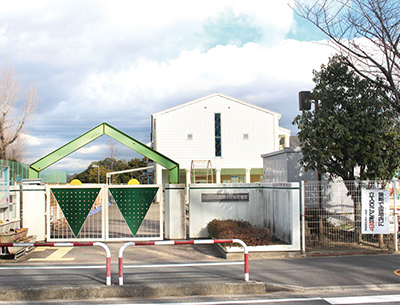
(93, 134)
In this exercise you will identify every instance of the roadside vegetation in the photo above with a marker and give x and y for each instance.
(97, 171)
(238, 229)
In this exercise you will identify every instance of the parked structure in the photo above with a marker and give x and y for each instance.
(230, 133)
(283, 166)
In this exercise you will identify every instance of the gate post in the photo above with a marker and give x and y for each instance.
(34, 210)
(175, 217)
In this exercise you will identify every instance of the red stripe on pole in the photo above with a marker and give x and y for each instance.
(246, 263)
(108, 266)
(7, 245)
(222, 241)
(183, 242)
(120, 273)
(82, 244)
(44, 244)
(152, 243)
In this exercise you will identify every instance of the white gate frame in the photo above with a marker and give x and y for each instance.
(103, 197)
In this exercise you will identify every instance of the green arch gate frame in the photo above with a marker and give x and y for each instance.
(98, 212)
(95, 133)
(74, 211)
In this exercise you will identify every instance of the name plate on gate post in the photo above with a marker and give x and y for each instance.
(224, 197)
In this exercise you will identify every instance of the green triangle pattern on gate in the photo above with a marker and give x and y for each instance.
(134, 204)
(76, 205)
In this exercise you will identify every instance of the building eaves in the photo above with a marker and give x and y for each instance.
(213, 95)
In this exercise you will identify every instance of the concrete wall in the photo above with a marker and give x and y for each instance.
(283, 211)
(175, 211)
(272, 205)
(34, 210)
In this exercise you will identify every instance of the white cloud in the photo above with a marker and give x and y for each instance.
(121, 61)
(91, 149)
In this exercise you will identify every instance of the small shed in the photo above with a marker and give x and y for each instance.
(283, 166)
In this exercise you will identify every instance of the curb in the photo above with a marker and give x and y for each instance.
(142, 291)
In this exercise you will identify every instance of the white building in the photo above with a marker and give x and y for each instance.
(230, 133)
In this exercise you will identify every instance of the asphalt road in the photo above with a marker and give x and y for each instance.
(289, 299)
(311, 277)
(329, 271)
(307, 272)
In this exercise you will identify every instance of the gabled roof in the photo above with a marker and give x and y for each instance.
(220, 95)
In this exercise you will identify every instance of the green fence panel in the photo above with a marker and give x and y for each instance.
(75, 205)
(134, 204)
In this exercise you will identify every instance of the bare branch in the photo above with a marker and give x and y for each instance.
(367, 32)
(17, 109)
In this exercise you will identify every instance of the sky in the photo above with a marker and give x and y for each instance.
(121, 61)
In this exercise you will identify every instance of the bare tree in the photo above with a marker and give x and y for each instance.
(114, 152)
(14, 114)
(15, 151)
(366, 33)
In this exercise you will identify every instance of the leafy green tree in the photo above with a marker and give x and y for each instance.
(90, 175)
(352, 133)
(138, 163)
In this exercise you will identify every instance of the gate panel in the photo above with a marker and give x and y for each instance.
(132, 215)
(63, 212)
(76, 205)
(103, 220)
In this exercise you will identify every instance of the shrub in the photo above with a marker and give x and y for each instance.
(230, 229)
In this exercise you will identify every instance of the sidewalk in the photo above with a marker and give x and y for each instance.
(161, 279)
(266, 275)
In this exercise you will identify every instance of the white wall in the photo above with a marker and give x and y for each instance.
(34, 210)
(171, 130)
(272, 205)
(283, 211)
(175, 211)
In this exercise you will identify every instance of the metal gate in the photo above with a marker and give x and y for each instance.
(333, 217)
(98, 212)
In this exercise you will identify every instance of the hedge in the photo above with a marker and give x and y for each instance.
(230, 229)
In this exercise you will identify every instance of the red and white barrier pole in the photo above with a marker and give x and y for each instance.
(71, 244)
(183, 242)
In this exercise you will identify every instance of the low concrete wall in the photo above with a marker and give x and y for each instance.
(175, 217)
(272, 205)
(34, 210)
(282, 215)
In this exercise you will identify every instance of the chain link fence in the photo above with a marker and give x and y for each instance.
(333, 216)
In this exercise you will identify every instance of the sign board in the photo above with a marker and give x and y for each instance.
(375, 212)
(224, 197)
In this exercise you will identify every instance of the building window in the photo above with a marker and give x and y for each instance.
(245, 136)
(190, 136)
(217, 122)
(281, 142)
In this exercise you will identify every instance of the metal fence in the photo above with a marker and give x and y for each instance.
(103, 223)
(19, 171)
(333, 216)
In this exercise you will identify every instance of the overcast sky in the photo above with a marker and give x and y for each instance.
(120, 61)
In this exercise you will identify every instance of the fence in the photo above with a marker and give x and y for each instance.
(108, 257)
(333, 216)
(182, 242)
(104, 220)
(19, 171)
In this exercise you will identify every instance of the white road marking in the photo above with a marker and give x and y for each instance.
(364, 299)
(332, 301)
(58, 255)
